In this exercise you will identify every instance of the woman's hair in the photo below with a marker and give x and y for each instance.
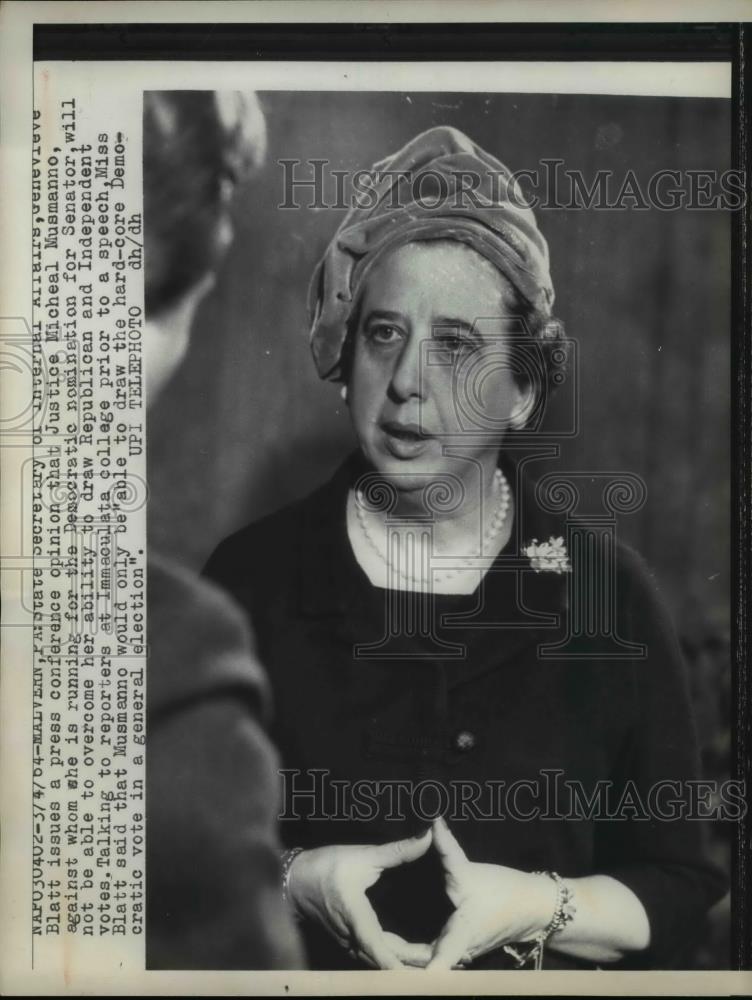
(491, 217)
(546, 364)
(539, 351)
(196, 144)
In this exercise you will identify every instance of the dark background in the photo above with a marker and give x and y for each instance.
(246, 425)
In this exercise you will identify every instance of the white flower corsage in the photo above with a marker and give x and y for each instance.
(551, 555)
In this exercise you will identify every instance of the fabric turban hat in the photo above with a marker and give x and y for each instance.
(441, 185)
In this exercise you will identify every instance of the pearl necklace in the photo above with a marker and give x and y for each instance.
(501, 488)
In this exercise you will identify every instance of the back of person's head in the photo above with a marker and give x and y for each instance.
(197, 146)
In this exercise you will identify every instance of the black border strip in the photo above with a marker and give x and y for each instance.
(419, 42)
(741, 492)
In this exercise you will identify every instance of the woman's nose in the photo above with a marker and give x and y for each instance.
(407, 377)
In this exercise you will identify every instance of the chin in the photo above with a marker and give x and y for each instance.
(409, 475)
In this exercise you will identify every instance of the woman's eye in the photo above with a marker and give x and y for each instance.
(453, 344)
(450, 343)
(384, 333)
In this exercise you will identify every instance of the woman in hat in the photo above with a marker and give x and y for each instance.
(465, 782)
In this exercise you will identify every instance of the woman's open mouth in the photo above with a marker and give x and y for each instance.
(405, 440)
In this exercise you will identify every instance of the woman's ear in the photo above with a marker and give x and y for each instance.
(523, 406)
(343, 393)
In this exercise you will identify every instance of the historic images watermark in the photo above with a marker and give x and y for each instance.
(314, 794)
(314, 184)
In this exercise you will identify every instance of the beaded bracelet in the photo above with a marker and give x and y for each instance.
(564, 911)
(287, 859)
(565, 908)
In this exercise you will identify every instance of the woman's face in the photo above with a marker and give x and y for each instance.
(431, 364)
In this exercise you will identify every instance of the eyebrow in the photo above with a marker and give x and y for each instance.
(393, 317)
(442, 324)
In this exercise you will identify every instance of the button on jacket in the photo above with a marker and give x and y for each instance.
(392, 707)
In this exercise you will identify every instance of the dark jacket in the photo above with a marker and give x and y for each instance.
(460, 693)
(213, 882)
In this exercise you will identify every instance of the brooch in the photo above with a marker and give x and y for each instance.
(551, 555)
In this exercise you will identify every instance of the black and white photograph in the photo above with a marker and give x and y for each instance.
(375, 398)
(439, 531)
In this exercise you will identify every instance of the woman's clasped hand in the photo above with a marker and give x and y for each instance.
(493, 904)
